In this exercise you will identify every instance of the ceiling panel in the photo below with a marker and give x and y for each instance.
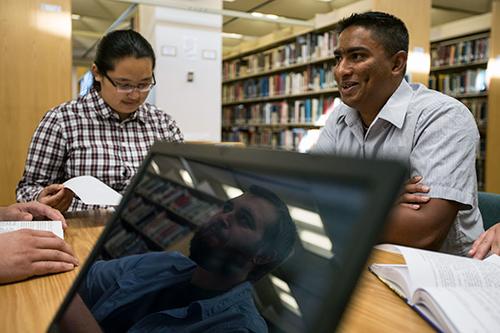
(98, 15)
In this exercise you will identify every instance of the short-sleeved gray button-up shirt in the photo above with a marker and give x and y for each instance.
(433, 134)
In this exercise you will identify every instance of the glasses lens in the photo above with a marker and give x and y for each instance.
(128, 90)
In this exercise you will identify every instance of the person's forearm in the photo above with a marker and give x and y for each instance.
(2, 213)
(424, 228)
(78, 318)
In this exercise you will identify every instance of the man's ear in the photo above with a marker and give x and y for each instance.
(265, 257)
(96, 73)
(399, 60)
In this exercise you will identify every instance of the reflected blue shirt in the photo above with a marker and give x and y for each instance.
(112, 284)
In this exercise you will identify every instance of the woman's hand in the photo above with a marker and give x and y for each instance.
(56, 196)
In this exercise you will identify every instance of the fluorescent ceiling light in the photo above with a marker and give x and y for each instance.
(231, 35)
(257, 14)
(305, 216)
(315, 239)
(280, 284)
(232, 192)
(155, 167)
(272, 16)
(290, 302)
(75, 16)
(186, 177)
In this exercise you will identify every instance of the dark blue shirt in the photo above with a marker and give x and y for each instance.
(114, 284)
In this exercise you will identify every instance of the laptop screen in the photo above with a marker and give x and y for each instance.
(228, 239)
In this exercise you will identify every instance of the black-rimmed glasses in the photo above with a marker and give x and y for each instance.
(128, 88)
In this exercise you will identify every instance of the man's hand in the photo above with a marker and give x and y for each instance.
(28, 211)
(25, 252)
(410, 197)
(56, 196)
(489, 241)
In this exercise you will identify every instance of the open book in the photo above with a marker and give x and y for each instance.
(454, 294)
(54, 226)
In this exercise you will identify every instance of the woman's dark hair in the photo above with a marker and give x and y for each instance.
(120, 44)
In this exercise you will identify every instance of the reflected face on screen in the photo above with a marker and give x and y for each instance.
(230, 241)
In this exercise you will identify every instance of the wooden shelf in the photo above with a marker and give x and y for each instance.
(467, 37)
(279, 69)
(290, 125)
(457, 67)
(278, 97)
(470, 95)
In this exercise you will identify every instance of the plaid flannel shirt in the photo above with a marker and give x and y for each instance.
(86, 137)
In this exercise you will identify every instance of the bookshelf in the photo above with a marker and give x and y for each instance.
(458, 69)
(160, 214)
(274, 95)
(278, 89)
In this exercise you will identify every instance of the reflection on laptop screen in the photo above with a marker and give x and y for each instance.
(207, 245)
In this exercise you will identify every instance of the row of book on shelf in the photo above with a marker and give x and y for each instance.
(160, 213)
(312, 78)
(302, 49)
(289, 139)
(479, 109)
(462, 52)
(465, 82)
(298, 111)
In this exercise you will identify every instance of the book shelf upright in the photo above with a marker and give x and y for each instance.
(458, 69)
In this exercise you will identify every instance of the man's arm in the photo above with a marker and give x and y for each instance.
(414, 193)
(103, 276)
(78, 318)
(444, 154)
(25, 252)
(27, 211)
(424, 228)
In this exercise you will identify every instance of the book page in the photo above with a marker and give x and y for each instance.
(433, 269)
(92, 191)
(53, 226)
(466, 310)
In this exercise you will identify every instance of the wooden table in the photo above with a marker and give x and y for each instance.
(29, 306)
(375, 308)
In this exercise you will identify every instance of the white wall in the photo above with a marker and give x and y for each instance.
(183, 41)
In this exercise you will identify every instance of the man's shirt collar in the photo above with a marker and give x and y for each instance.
(394, 111)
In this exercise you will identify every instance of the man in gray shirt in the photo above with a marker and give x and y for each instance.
(382, 116)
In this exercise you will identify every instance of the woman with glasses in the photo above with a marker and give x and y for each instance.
(106, 133)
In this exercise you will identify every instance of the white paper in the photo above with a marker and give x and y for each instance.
(470, 309)
(434, 269)
(54, 226)
(93, 192)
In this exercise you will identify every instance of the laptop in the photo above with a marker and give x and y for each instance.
(330, 210)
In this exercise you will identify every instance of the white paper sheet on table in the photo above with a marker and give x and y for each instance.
(92, 191)
(53, 226)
